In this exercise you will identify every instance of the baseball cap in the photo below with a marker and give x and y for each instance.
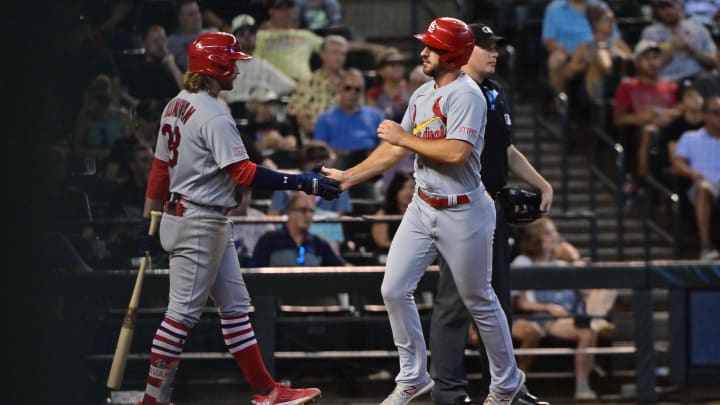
(644, 46)
(391, 55)
(484, 35)
(242, 21)
(262, 94)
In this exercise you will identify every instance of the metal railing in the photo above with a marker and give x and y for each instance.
(650, 225)
(600, 138)
(555, 124)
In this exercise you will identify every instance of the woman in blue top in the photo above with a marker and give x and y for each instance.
(541, 245)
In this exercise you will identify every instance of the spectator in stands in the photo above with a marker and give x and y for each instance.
(319, 16)
(312, 154)
(539, 245)
(708, 83)
(280, 30)
(398, 197)
(705, 12)
(82, 44)
(273, 137)
(691, 102)
(285, 46)
(564, 28)
(158, 76)
(316, 94)
(295, 245)
(128, 199)
(65, 202)
(147, 124)
(416, 78)
(391, 93)
(190, 26)
(245, 236)
(255, 71)
(99, 123)
(697, 158)
(644, 104)
(687, 48)
(596, 60)
(350, 128)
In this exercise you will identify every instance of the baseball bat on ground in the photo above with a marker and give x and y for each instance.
(122, 350)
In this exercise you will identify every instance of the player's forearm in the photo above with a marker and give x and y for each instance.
(381, 159)
(151, 205)
(521, 167)
(449, 151)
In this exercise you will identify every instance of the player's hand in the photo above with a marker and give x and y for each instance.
(556, 310)
(312, 182)
(145, 242)
(546, 198)
(391, 132)
(337, 175)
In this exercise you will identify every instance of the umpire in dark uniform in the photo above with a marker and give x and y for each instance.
(450, 318)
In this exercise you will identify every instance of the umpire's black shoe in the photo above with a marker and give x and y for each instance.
(461, 400)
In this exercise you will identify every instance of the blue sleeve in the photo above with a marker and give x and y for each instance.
(550, 22)
(329, 258)
(322, 128)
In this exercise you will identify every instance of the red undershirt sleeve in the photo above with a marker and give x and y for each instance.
(242, 172)
(159, 181)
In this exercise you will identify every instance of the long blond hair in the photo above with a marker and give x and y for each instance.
(195, 82)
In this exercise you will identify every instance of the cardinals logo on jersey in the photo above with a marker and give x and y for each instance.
(422, 129)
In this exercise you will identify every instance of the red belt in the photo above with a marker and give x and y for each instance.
(443, 202)
(175, 206)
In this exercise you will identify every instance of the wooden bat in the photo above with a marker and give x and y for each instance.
(122, 350)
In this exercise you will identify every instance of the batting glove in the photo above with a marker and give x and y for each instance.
(312, 182)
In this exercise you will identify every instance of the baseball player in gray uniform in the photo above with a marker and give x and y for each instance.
(450, 214)
(199, 160)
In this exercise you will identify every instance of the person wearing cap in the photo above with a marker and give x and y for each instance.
(564, 28)
(691, 103)
(643, 104)
(255, 71)
(687, 48)
(450, 318)
(274, 138)
(391, 93)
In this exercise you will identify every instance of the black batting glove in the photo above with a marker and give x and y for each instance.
(145, 242)
(312, 182)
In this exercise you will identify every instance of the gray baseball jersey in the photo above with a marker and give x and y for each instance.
(461, 233)
(455, 111)
(198, 138)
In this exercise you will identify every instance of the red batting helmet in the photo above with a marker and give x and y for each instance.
(214, 54)
(452, 36)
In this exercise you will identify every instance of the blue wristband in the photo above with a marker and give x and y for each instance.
(271, 180)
